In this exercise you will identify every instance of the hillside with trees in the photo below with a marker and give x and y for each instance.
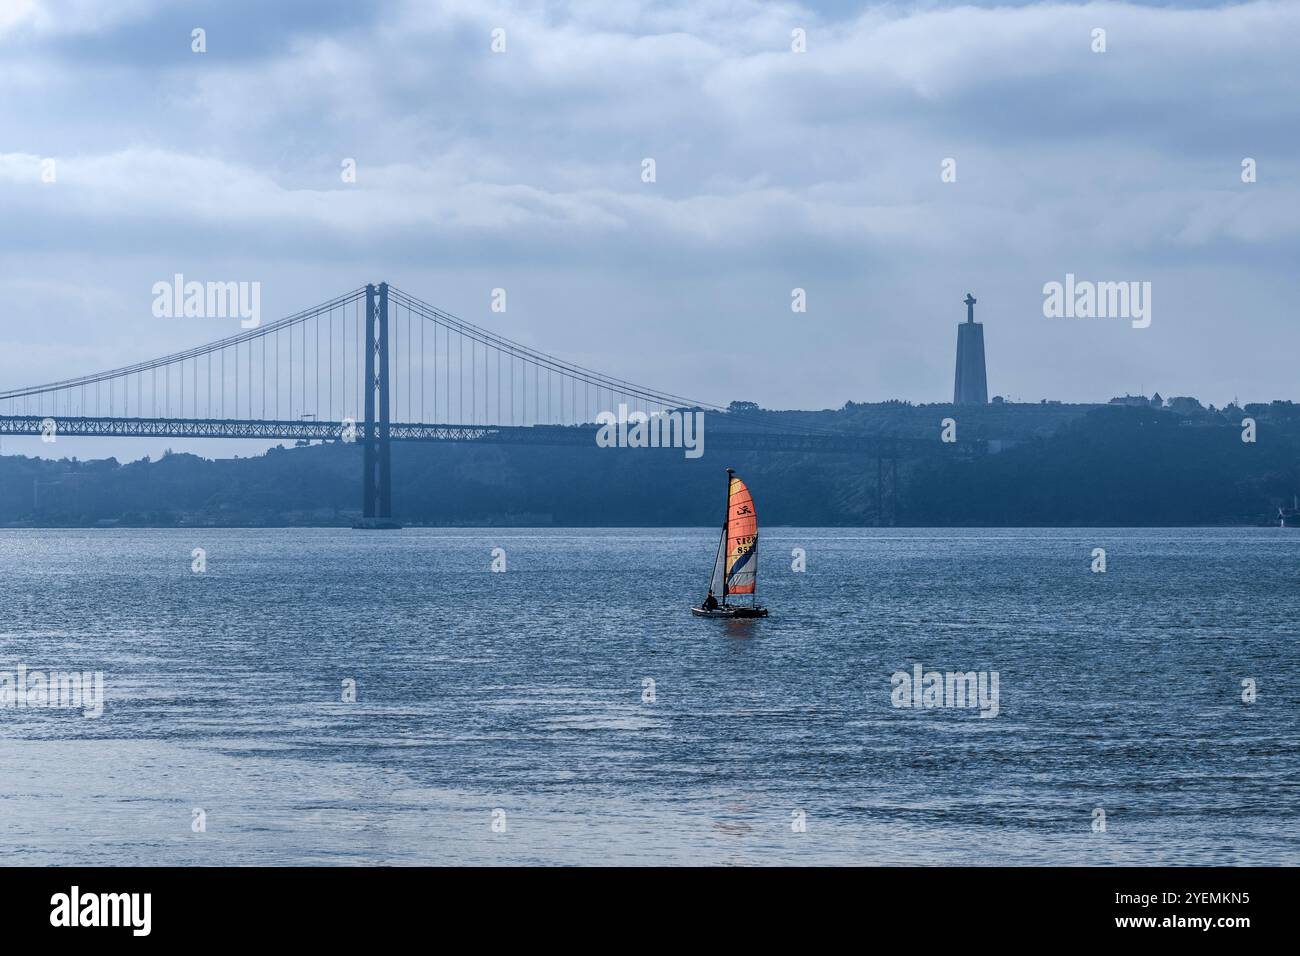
(1127, 463)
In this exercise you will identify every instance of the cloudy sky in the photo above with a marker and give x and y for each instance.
(774, 170)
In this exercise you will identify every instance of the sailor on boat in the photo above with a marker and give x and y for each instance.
(710, 602)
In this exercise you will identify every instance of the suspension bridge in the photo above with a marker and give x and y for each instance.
(375, 366)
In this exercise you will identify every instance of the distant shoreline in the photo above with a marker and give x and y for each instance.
(632, 527)
(1041, 467)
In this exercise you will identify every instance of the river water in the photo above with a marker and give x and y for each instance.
(509, 717)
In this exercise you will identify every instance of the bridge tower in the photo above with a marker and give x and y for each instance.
(376, 467)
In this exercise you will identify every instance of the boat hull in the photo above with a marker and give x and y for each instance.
(730, 612)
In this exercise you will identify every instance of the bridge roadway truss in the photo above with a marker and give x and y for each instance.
(565, 435)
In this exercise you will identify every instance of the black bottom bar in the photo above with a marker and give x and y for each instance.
(938, 909)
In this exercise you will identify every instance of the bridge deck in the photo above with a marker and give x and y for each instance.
(871, 446)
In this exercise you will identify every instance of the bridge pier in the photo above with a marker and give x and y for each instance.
(368, 496)
(376, 464)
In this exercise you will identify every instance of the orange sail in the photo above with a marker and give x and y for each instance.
(742, 540)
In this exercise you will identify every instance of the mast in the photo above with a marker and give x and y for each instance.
(726, 526)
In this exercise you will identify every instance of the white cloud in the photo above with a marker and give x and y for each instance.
(45, 18)
(772, 166)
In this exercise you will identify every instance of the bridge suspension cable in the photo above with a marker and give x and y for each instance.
(312, 366)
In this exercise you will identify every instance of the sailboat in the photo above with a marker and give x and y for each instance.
(735, 568)
(1289, 517)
